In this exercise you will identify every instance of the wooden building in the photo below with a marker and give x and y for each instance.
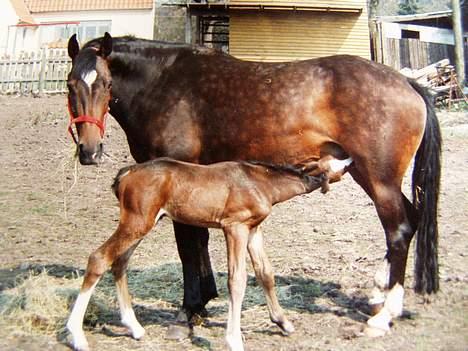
(415, 41)
(281, 30)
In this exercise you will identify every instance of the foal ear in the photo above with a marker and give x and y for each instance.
(106, 45)
(308, 167)
(73, 47)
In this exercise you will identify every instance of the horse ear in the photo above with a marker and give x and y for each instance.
(106, 45)
(73, 47)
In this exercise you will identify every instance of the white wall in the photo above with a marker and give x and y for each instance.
(8, 18)
(139, 23)
(427, 34)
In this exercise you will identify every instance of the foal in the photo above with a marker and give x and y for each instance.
(235, 197)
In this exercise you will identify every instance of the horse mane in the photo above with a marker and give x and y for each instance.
(145, 47)
(280, 168)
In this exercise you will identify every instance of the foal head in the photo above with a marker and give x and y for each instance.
(89, 91)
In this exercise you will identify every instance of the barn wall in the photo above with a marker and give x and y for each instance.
(294, 35)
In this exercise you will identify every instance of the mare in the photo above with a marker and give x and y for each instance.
(233, 196)
(203, 106)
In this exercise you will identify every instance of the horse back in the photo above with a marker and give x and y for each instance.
(211, 107)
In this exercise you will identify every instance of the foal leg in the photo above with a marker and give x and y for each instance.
(236, 241)
(99, 261)
(127, 315)
(75, 321)
(264, 274)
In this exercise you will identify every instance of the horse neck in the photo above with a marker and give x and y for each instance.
(131, 75)
(123, 94)
(283, 186)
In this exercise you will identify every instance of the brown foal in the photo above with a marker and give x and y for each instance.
(233, 196)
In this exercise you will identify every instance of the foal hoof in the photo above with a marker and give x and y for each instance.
(373, 332)
(178, 332)
(287, 328)
(81, 345)
(137, 333)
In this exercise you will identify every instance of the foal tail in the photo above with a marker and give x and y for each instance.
(115, 185)
(425, 189)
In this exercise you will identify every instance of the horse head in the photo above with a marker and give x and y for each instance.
(89, 92)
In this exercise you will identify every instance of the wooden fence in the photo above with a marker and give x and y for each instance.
(413, 53)
(39, 72)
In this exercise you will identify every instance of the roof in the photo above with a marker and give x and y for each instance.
(22, 12)
(83, 5)
(290, 5)
(415, 17)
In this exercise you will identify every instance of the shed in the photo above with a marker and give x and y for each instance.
(415, 41)
(281, 30)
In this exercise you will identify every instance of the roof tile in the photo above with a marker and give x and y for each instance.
(83, 5)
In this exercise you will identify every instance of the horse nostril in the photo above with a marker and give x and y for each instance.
(90, 155)
(96, 155)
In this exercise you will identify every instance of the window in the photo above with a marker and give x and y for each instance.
(409, 34)
(214, 32)
(51, 34)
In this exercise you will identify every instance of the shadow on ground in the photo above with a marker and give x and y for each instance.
(165, 283)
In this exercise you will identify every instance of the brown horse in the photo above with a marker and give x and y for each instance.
(236, 197)
(203, 106)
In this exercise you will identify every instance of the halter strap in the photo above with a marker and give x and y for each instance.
(84, 119)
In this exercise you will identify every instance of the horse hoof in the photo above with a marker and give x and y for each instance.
(182, 316)
(178, 332)
(373, 332)
(80, 346)
(287, 328)
(138, 333)
(197, 319)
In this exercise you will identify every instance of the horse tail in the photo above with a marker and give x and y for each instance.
(425, 189)
(122, 173)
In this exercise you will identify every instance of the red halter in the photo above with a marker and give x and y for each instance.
(83, 119)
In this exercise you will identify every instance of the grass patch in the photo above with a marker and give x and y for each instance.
(40, 301)
(40, 305)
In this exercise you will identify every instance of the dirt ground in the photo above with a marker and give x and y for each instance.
(324, 249)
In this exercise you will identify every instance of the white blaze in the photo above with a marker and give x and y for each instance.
(89, 78)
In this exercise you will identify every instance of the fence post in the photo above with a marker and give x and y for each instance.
(458, 34)
(42, 71)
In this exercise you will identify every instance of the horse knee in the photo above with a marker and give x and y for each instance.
(97, 264)
(398, 241)
(398, 246)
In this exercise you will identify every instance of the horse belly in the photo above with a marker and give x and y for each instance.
(202, 206)
(286, 147)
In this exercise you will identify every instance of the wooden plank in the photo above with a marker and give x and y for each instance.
(280, 36)
(404, 53)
